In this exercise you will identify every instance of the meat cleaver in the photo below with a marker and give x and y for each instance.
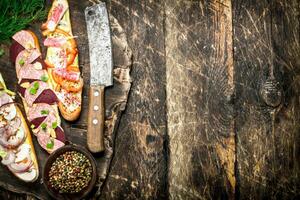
(101, 66)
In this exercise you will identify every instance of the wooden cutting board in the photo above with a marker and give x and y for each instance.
(115, 99)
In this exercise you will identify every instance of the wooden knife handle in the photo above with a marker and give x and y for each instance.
(96, 115)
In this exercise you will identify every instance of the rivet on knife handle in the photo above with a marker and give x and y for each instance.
(96, 119)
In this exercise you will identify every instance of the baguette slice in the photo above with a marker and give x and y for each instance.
(28, 45)
(70, 92)
(32, 173)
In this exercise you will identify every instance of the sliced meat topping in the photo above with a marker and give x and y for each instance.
(39, 110)
(48, 143)
(49, 123)
(25, 39)
(13, 141)
(55, 42)
(34, 91)
(30, 72)
(65, 74)
(55, 14)
(26, 57)
(4, 98)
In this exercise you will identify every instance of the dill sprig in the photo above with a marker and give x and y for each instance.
(15, 15)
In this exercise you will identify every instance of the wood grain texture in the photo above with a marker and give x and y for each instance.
(95, 135)
(267, 138)
(115, 102)
(196, 124)
(138, 170)
(199, 88)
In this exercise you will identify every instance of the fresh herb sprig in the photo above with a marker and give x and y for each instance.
(15, 15)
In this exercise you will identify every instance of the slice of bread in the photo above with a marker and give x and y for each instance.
(70, 105)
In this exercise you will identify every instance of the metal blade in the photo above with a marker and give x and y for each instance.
(100, 48)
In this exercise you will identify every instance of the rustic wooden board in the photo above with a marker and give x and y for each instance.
(138, 170)
(115, 102)
(225, 142)
(199, 87)
(267, 137)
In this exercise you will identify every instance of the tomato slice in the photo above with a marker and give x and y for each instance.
(71, 86)
(49, 64)
(58, 79)
(70, 58)
(73, 68)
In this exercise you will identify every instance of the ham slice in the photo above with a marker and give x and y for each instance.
(50, 119)
(55, 42)
(30, 98)
(26, 57)
(29, 72)
(69, 75)
(56, 13)
(25, 39)
(44, 139)
(39, 110)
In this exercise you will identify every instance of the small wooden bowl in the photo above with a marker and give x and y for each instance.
(85, 191)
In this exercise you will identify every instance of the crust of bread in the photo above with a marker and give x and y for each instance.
(55, 107)
(69, 116)
(36, 40)
(28, 141)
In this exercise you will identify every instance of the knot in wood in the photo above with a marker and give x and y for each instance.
(271, 92)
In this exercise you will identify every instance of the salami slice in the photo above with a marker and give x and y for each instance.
(25, 39)
(14, 51)
(47, 96)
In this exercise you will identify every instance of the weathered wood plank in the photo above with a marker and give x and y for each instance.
(138, 170)
(285, 29)
(267, 137)
(199, 64)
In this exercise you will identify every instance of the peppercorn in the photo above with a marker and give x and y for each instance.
(70, 172)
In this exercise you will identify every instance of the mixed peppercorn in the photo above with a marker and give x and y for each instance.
(70, 172)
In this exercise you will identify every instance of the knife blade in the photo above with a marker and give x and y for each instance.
(101, 66)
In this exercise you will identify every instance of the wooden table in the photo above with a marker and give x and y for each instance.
(199, 124)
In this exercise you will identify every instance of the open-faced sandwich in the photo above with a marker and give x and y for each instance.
(16, 148)
(62, 60)
(39, 99)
